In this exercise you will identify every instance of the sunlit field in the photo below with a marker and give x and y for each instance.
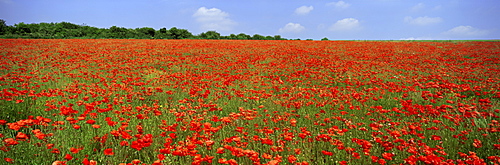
(248, 102)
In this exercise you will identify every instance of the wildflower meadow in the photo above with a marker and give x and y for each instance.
(110, 101)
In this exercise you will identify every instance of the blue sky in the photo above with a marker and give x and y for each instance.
(334, 19)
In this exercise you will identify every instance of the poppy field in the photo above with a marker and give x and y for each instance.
(104, 101)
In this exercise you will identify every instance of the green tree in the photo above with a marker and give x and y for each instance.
(175, 33)
(91, 32)
(3, 27)
(22, 28)
(324, 39)
(26, 30)
(46, 29)
(70, 30)
(243, 36)
(258, 37)
(67, 25)
(145, 32)
(118, 32)
(210, 35)
(161, 34)
(163, 30)
(72, 33)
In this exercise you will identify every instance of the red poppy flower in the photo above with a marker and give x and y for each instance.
(496, 146)
(10, 160)
(57, 162)
(76, 126)
(267, 156)
(68, 157)
(10, 141)
(435, 137)
(124, 143)
(232, 162)
(21, 136)
(109, 151)
(75, 150)
(209, 142)
(292, 159)
(387, 156)
(136, 161)
(477, 143)
(328, 153)
(90, 121)
(293, 122)
(220, 150)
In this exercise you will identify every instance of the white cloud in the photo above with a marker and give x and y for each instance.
(465, 31)
(410, 38)
(213, 19)
(303, 10)
(423, 20)
(346, 24)
(339, 4)
(417, 7)
(292, 28)
(417, 38)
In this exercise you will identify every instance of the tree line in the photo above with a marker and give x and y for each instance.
(66, 30)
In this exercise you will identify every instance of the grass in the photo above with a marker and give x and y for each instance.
(248, 101)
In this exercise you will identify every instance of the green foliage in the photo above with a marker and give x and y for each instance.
(66, 30)
(22, 28)
(3, 27)
(67, 25)
(243, 36)
(146, 32)
(210, 35)
(174, 33)
(258, 37)
(278, 37)
(163, 30)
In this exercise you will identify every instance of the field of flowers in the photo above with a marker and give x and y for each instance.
(249, 102)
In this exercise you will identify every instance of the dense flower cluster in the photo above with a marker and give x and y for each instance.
(249, 102)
